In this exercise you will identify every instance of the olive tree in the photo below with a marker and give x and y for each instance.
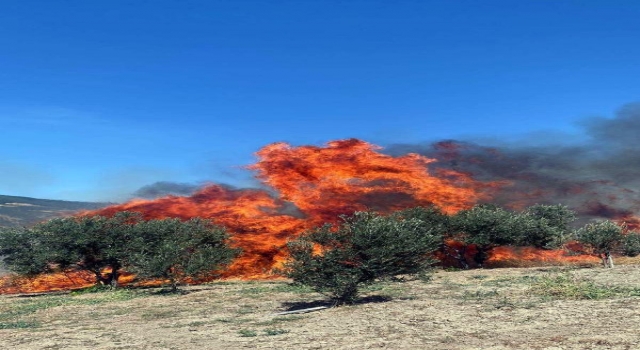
(482, 228)
(175, 250)
(337, 260)
(485, 227)
(437, 223)
(91, 243)
(23, 252)
(169, 249)
(433, 219)
(546, 226)
(602, 238)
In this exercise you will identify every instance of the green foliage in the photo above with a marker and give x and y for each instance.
(169, 248)
(568, 286)
(631, 244)
(602, 238)
(90, 243)
(275, 331)
(338, 260)
(18, 325)
(546, 226)
(173, 249)
(487, 226)
(247, 333)
(23, 250)
(433, 220)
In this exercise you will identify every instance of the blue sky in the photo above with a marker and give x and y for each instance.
(100, 98)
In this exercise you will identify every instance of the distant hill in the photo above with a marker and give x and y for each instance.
(24, 211)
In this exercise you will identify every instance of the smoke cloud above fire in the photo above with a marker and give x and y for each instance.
(596, 176)
(165, 188)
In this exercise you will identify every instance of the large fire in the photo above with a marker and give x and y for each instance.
(305, 187)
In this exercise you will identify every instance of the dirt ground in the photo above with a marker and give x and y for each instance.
(507, 308)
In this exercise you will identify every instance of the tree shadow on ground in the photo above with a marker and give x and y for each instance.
(300, 305)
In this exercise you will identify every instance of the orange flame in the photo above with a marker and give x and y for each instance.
(308, 186)
(528, 256)
(315, 185)
(630, 222)
(53, 282)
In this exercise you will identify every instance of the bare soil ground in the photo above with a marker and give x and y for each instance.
(507, 308)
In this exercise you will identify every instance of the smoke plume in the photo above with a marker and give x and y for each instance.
(597, 177)
(165, 188)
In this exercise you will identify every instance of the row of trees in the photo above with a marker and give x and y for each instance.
(484, 227)
(334, 259)
(339, 259)
(169, 249)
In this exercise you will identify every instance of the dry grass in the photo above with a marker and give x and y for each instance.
(525, 308)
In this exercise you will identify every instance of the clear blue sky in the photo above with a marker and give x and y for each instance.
(99, 98)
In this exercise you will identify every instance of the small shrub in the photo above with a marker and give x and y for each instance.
(18, 325)
(247, 333)
(275, 331)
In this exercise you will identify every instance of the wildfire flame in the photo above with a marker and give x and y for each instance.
(307, 186)
(304, 187)
(529, 257)
(54, 282)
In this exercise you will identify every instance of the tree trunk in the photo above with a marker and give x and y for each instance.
(346, 296)
(100, 279)
(607, 260)
(114, 279)
(462, 258)
(458, 255)
(174, 285)
(481, 256)
(114, 275)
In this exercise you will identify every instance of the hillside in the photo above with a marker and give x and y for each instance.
(22, 211)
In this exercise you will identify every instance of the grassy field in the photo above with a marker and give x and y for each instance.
(508, 308)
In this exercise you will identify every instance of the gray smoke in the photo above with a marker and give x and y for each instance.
(165, 188)
(597, 177)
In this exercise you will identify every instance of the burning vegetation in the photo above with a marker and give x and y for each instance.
(308, 186)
